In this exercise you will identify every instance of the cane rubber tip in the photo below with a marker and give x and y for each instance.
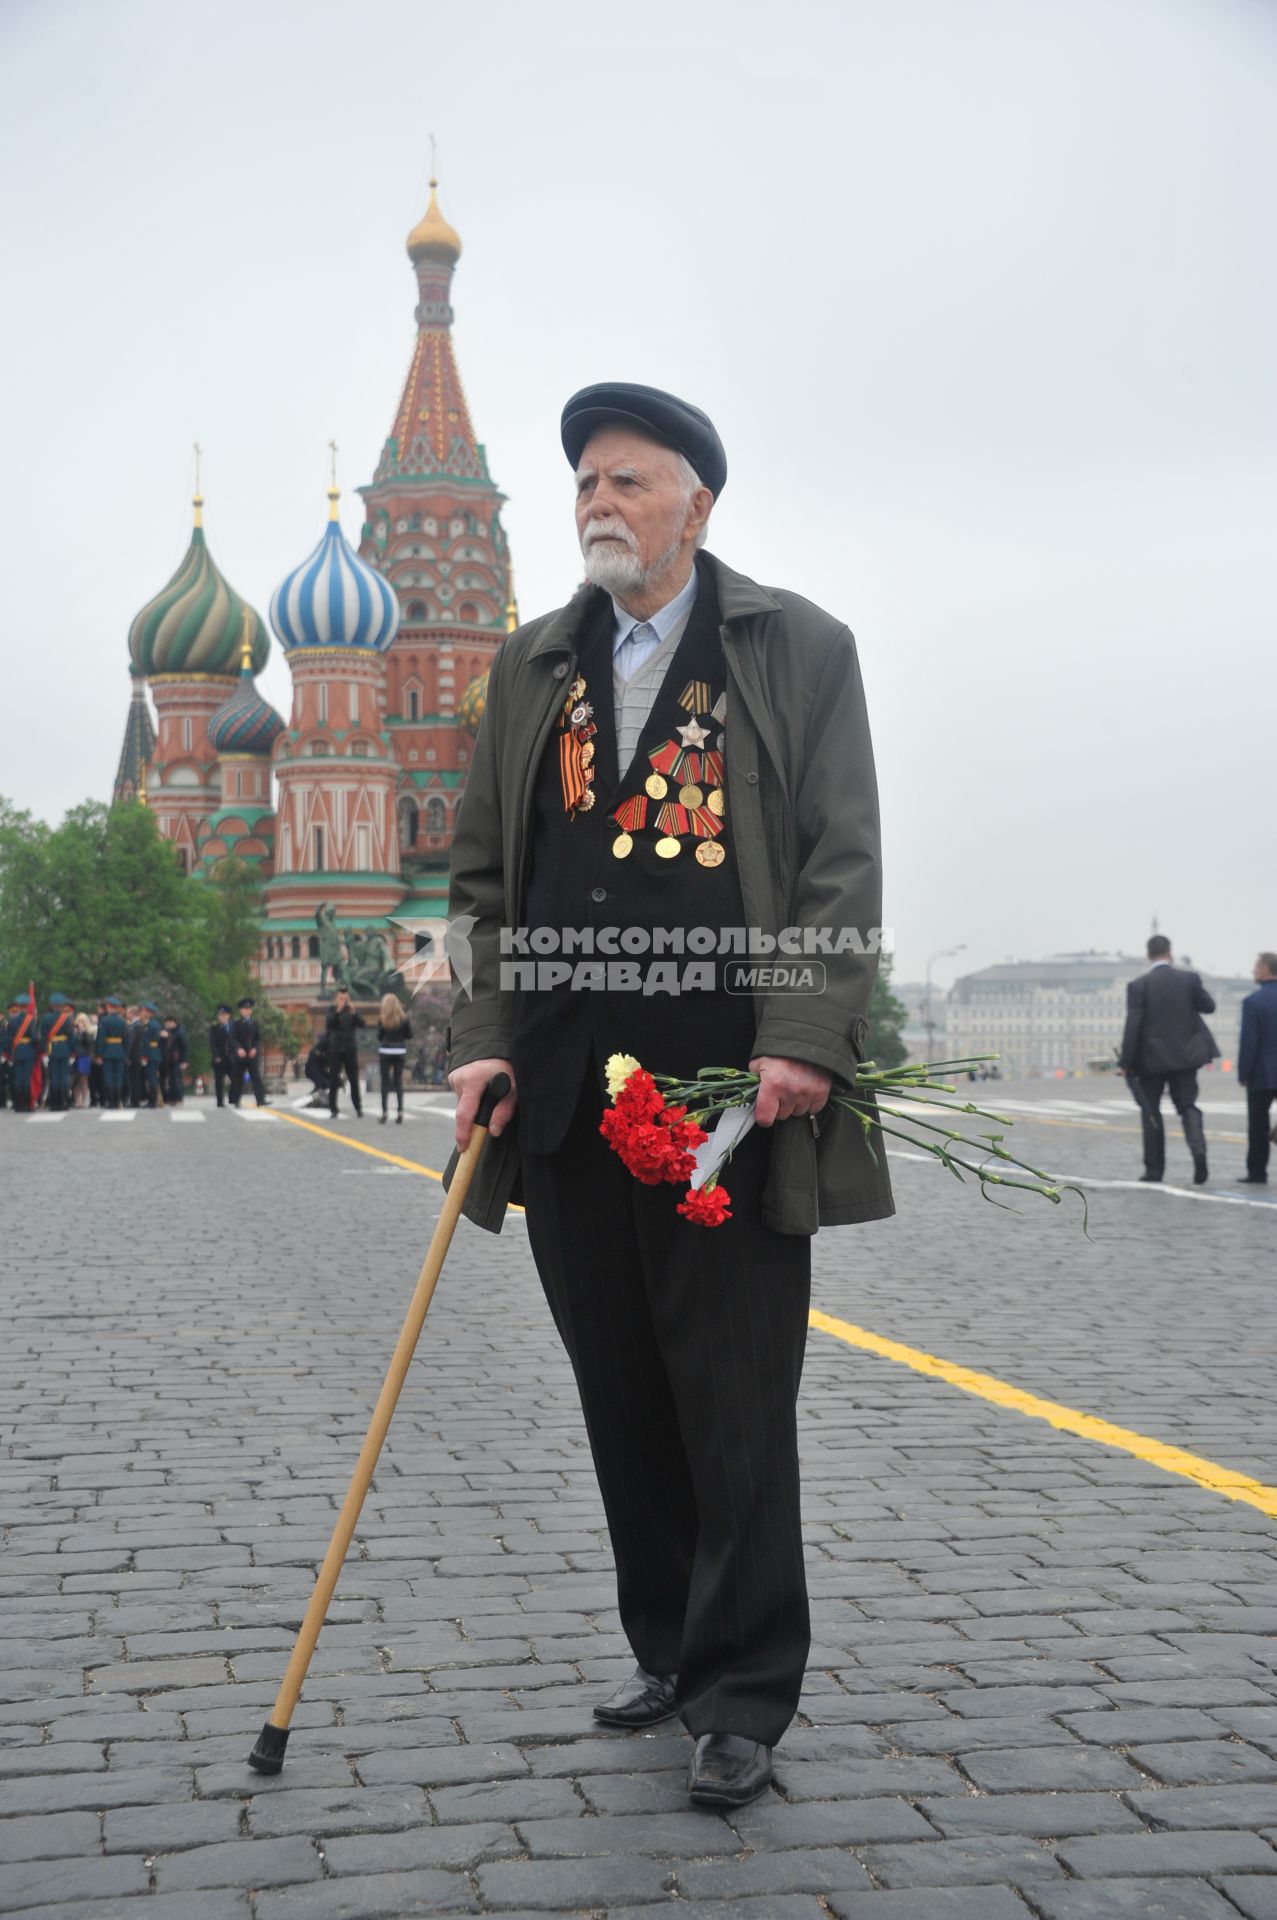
(268, 1755)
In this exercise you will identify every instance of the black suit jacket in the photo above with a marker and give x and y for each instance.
(1165, 1032)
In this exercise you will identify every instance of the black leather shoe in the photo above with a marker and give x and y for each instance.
(1154, 1177)
(1252, 1179)
(643, 1700)
(728, 1771)
(1199, 1172)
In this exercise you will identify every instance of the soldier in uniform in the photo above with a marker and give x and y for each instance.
(135, 1092)
(112, 1051)
(58, 1043)
(152, 1052)
(222, 1051)
(24, 1051)
(246, 1055)
(173, 1081)
(95, 1065)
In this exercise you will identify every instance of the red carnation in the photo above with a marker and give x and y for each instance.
(655, 1142)
(706, 1206)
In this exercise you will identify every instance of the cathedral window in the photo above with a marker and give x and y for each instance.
(409, 825)
(186, 734)
(322, 708)
(417, 610)
(436, 816)
(359, 749)
(414, 705)
(317, 848)
(297, 948)
(312, 947)
(363, 848)
(318, 748)
(354, 705)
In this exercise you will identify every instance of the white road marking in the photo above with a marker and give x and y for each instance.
(120, 1113)
(253, 1113)
(179, 1113)
(39, 1117)
(1134, 1186)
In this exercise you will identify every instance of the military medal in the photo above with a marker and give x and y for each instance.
(716, 803)
(622, 845)
(656, 786)
(586, 801)
(710, 853)
(693, 734)
(690, 796)
(667, 847)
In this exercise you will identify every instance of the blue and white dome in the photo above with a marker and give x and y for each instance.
(334, 599)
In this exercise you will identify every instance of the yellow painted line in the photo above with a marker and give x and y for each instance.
(1189, 1466)
(378, 1153)
(358, 1146)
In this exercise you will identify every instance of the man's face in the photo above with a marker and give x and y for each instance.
(223, 1019)
(632, 513)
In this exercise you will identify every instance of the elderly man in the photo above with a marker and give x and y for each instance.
(676, 750)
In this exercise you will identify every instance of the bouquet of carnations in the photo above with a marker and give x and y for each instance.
(657, 1125)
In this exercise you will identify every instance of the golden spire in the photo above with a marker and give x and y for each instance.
(141, 782)
(198, 501)
(246, 649)
(432, 235)
(511, 607)
(333, 494)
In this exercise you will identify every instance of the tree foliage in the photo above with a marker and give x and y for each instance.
(887, 1017)
(99, 905)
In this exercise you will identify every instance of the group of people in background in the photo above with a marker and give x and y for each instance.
(335, 1054)
(118, 1055)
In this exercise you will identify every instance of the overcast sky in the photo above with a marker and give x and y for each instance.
(981, 294)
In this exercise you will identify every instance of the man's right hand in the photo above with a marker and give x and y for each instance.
(468, 1083)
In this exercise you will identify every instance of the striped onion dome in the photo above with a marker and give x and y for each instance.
(334, 599)
(245, 723)
(195, 624)
(473, 701)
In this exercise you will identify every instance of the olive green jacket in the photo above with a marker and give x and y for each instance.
(803, 803)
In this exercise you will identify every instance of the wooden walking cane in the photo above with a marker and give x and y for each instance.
(268, 1755)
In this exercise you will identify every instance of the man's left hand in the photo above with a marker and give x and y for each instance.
(787, 1088)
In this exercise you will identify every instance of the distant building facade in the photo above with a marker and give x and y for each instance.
(1062, 1015)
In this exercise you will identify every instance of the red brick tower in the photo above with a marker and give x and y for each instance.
(433, 530)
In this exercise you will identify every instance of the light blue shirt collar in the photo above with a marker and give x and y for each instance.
(662, 623)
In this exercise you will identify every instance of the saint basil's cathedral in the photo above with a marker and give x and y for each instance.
(388, 647)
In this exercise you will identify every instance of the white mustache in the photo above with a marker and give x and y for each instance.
(608, 530)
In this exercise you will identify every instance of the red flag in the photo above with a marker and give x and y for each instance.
(37, 1065)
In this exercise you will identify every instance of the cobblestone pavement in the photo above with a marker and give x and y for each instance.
(1044, 1679)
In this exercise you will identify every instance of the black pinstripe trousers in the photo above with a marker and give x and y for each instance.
(687, 1343)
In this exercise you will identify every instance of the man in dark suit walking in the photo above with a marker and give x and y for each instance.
(1257, 1066)
(1164, 1043)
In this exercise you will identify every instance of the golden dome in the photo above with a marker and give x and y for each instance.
(432, 235)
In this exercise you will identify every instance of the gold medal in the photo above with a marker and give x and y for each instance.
(621, 845)
(587, 800)
(577, 688)
(717, 804)
(587, 754)
(710, 853)
(667, 847)
(656, 786)
(690, 795)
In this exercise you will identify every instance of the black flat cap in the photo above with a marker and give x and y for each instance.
(675, 422)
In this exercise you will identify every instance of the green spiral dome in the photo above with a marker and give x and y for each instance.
(196, 623)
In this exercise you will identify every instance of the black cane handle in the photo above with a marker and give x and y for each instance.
(493, 1094)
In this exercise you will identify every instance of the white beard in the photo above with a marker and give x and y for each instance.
(617, 567)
